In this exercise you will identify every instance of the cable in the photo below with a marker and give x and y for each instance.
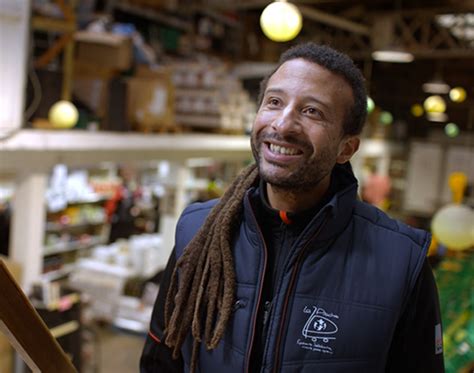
(35, 82)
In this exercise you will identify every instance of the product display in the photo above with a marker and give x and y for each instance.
(455, 281)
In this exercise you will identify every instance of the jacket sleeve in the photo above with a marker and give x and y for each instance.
(417, 345)
(156, 356)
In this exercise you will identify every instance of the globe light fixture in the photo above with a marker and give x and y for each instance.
(434, 104)
(63, 114)
(437, 117)
(453, 224)
(386, 118)
(370, 105)
(281, 21)
(451, 129)
(417, 110)
(392, 55)
(437, 86)
(457, 94)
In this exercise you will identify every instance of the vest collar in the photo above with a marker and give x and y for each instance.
(335, 214)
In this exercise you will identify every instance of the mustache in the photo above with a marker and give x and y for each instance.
(289, 139)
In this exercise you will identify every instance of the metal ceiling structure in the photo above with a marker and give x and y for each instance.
(439, 33)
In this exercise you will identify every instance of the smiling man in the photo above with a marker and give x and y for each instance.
(289, 271)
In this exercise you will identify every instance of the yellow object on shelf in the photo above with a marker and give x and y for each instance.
(63, 114)
(453, 224)
(458, 183)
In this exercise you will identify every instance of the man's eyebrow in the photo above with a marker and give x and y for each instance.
(305, 98)
(274, 90)
(312, 98)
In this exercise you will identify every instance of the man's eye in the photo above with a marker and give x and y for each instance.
(273, 102)
(313, 112)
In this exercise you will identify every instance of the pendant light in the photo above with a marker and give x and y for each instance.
(281, 21)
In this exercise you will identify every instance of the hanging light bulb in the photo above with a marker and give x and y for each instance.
(281, 21)
(434, 104)
(457, 94)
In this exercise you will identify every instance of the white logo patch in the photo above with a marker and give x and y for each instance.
(438, 339)
(318, 331)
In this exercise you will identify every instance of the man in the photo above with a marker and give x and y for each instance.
(288, 271)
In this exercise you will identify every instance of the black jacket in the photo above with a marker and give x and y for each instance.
(368, 281)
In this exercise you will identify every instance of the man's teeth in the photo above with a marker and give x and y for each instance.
(282, 150)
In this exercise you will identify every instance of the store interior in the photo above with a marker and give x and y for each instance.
(117, 114)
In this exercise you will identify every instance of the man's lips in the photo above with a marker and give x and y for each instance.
(283, 149)
(280, 154)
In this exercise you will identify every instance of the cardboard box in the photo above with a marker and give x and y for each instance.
(92, 87)
(92, 92)
(6, 350)
(106, 50)
(151, 99)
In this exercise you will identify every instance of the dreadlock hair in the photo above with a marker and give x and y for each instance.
(204, 289)
(200, 298)
(338, 63)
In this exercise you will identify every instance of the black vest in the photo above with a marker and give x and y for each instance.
(336, 306)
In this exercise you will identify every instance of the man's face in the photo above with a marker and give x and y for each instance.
(297, 135)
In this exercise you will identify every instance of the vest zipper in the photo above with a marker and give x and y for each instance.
(259, 298)
(267, 308)
(288, 293)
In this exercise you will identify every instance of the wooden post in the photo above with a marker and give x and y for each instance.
(26, 331)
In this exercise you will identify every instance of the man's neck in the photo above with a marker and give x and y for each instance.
(297, 200)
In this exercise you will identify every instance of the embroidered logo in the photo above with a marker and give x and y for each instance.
(319, 330)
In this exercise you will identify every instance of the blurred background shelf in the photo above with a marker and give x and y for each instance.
(43, 147)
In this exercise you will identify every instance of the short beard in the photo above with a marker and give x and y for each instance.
(307, 177)
(299, 181)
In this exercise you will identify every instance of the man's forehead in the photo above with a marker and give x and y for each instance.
(302, 70)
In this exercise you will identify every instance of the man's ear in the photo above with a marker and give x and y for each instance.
(347, 148)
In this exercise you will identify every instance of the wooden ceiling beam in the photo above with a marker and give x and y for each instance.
(332, 20)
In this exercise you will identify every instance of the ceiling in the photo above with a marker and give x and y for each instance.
(360, 27)
(443, 47)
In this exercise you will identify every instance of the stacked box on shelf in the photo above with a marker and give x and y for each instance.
(150, 99)
(102, 284)
(104, 50)
(100, 59)
(208, 97)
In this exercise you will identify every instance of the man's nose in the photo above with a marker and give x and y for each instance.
(286, 120)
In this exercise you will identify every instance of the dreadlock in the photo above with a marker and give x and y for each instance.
(201, 298)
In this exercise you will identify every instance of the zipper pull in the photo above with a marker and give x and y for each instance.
(240, 303)
(266, 311)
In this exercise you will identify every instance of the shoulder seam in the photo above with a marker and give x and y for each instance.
(421, 244)
(192, 209)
